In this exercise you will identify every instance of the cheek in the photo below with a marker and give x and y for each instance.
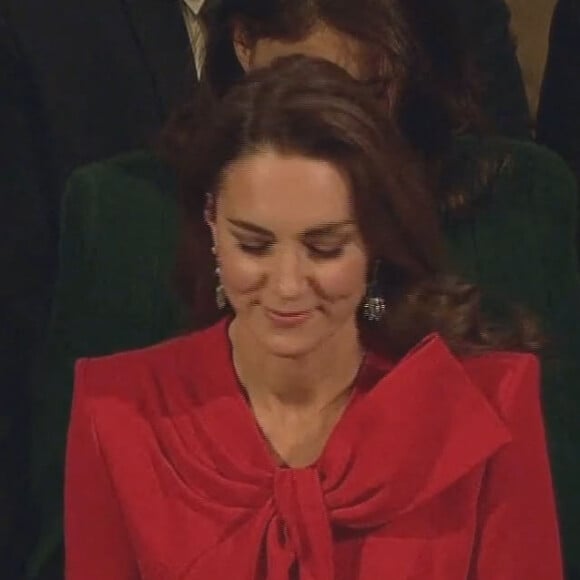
(239, 274)
(343, 279)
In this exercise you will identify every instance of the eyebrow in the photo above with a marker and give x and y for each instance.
(315, 232)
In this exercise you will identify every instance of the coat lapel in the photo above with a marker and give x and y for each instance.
(162, 36)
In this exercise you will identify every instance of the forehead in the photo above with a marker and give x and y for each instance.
(322, 42)
(285, 191)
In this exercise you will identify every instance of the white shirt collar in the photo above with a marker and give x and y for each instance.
(194, 5)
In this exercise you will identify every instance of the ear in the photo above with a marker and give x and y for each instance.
(243, 47)
(209, 216)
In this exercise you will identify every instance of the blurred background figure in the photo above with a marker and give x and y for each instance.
(26, 262)
(547, 33)
(78, 82)
(558, 123)
(530, 28)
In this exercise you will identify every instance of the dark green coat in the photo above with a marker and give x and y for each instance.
(114, 292)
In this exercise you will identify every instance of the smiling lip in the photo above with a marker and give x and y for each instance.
(288, 319)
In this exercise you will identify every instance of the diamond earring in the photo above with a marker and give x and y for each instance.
(220, 293)
(374, 306)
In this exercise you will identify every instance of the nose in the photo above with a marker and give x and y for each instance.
(289, 274)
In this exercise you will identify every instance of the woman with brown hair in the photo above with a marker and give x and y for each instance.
(115, 289)
(345, 411)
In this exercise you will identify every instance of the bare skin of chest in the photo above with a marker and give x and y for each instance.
(297, 439)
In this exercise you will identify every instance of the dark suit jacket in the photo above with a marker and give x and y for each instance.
(558, 123)
(487, 25)
(79, 81)
(105, 72)
(24, 279)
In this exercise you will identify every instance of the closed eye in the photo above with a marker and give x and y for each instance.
(262, 249)
(326, 253)
(255, 248)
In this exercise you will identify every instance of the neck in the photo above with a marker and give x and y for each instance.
(313, 380)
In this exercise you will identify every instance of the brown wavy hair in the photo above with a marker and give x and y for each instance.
(313, 108)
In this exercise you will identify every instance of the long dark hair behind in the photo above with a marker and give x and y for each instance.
(422, 71)
(310, 107)
(421, 60)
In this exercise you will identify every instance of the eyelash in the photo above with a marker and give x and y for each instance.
(262, 249)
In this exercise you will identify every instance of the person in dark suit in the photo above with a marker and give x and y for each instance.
(78, 82)
(26, 260)
(487, 27)
(558, 122)
(106, 73)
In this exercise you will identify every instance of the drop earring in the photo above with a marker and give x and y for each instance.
(374, 305)
(220, 293)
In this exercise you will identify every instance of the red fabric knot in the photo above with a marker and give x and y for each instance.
(301, 510)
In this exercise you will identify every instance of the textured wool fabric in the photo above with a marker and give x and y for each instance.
(437, 470)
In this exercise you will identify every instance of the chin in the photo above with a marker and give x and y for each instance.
(289, 346)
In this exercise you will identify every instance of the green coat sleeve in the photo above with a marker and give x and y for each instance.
(113, 293)
(520, 247)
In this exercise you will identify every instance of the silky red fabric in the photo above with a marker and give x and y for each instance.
(437, 470)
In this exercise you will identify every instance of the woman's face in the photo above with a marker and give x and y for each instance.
(323, 42)
(292, 260)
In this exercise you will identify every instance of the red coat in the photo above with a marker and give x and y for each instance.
(436, 471)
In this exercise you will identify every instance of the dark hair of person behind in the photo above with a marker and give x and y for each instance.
(421, 60)
(309, 107)
(422, 70)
